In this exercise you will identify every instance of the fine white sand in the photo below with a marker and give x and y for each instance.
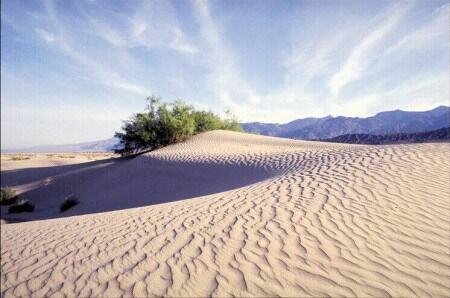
(236, 215)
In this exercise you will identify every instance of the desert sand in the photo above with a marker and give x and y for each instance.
(13, 161)
(233, 214)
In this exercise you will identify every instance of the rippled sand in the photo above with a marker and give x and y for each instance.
(237, 215)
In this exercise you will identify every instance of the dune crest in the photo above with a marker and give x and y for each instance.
(296, 219)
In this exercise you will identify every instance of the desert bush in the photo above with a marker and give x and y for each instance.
(21, 205)
(65, 156)
(8, 195)
(18, 157)
(68, 203)
(167, 123)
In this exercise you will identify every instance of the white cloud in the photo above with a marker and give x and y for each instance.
(434, 30)
(362, 106)
(160, 35)
(425, 90)
(47, 36)
(224, 78)
(108, 34)
(421, 92)
(154, 25)
(308, 59)
(129, 87)
(103, 74)
(367, 50)
(306, 63)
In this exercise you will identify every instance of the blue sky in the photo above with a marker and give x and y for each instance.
(72, 70)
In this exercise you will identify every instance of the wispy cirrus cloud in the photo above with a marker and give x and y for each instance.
(223, 76)
(165, 35)
(151, 25)
(97, 72)
(45, 35)
(367, 50)
(433, 31)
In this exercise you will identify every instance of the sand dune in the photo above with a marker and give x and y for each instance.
(237, 215)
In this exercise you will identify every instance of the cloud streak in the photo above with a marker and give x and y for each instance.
(363, 54)
(97, 72)
(224, 75)
(434, 31)
(48, 37)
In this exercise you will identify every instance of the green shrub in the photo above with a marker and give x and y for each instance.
(163, 124)
(21, 205)
(68, 203)
(8, 196)
(206, 121)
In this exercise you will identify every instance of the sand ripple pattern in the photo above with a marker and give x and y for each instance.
(332, 220)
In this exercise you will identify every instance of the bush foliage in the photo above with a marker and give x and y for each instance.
(21, 205)
(167, 123)
(7, 196)
(68, 203)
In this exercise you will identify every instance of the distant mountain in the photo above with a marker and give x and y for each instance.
(275, 129)
(442, 134)
(382, 123)
(107, 145)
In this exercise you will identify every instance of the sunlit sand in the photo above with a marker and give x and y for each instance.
(234, 214)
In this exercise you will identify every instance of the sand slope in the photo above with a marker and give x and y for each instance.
(295, 219)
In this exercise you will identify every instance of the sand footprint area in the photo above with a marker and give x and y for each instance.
(233, 214)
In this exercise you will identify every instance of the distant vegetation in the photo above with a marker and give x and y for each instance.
(68, 203)
(8, 196)
(19, 157)
(167, 123)
(21, 205)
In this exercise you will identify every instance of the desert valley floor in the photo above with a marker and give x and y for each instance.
(234, 214)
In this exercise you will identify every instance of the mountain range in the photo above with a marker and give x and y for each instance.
(325, 128)
(329, 127)
(441, 134)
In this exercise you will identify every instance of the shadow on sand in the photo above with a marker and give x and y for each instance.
(116, 184)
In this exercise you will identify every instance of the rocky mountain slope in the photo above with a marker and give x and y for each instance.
(442, 134)
(382, 123)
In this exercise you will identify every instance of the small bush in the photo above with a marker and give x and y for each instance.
(20, 157)
(167, 123)
(65, 156)
(8, 196)
(21, 206)
(68, 203)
